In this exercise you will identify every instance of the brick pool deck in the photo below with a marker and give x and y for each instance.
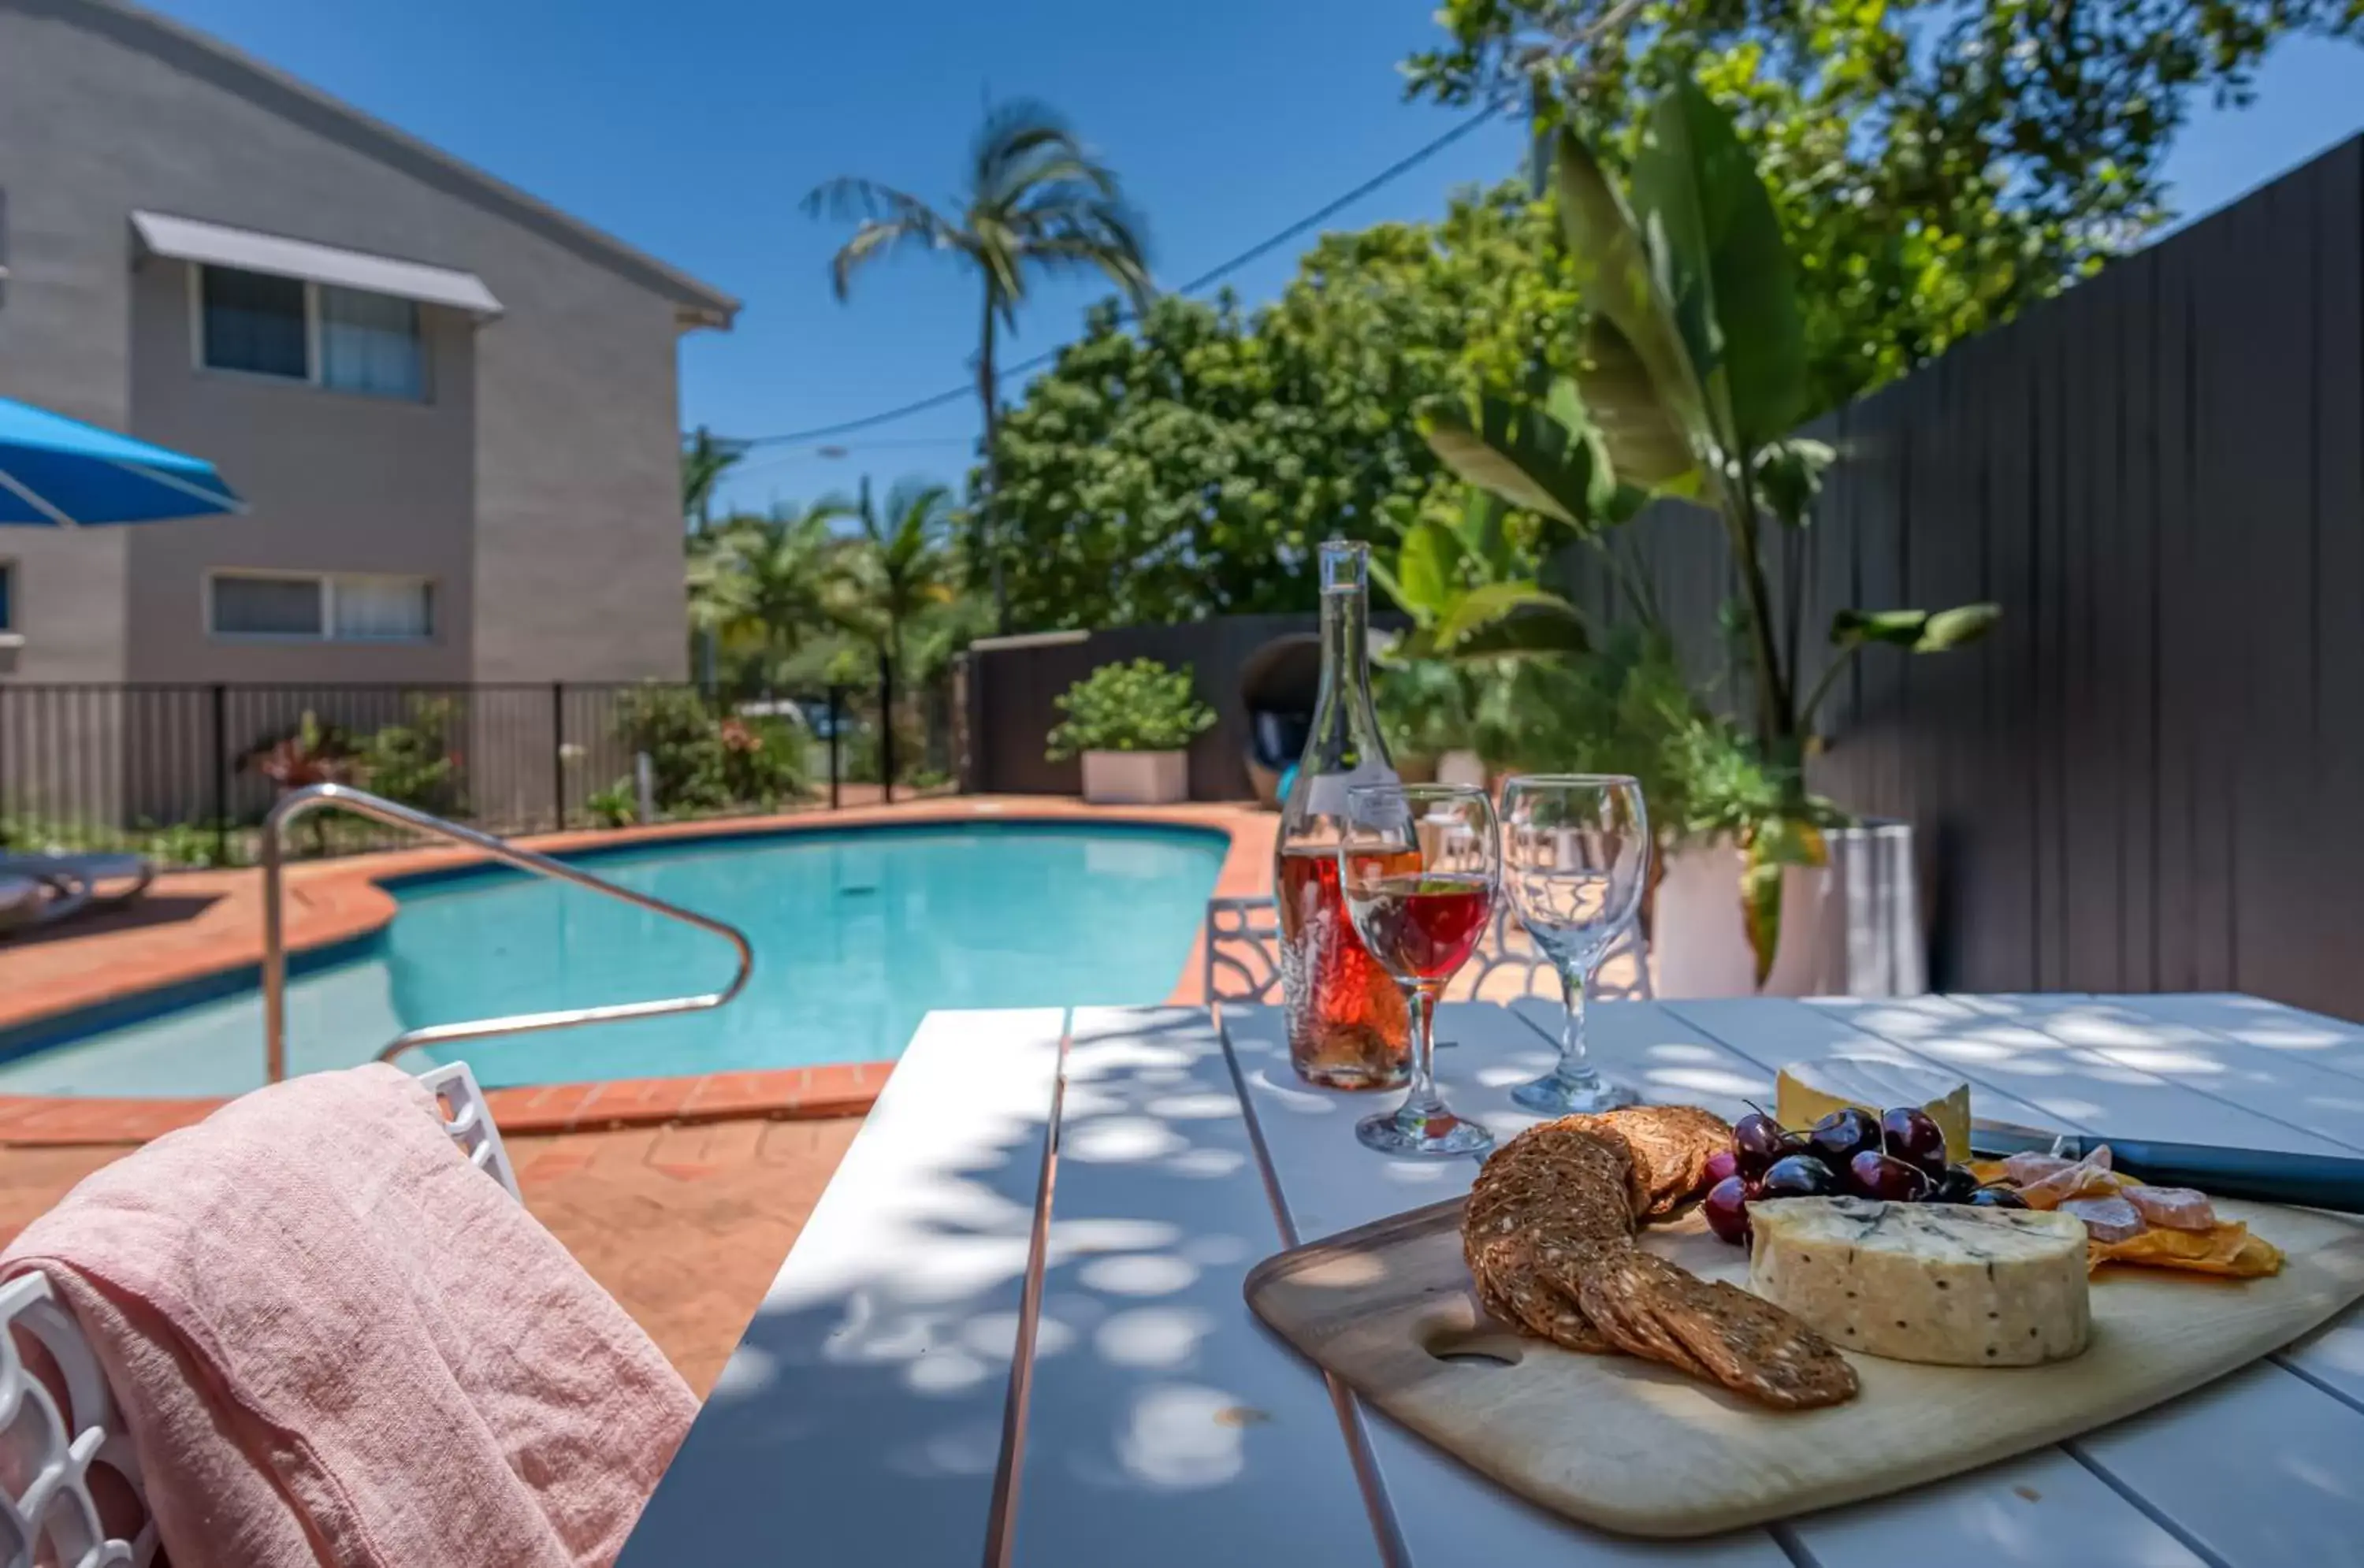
(680, 1196)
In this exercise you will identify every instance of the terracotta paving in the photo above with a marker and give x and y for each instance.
(680, 1196)
(685, 1225)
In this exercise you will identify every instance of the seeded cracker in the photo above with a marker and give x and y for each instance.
(1548, 1236)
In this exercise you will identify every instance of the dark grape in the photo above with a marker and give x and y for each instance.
(1914, 1135)
(1955, 1186)
(1874, 1175)
(1757, 1141)
(1727, 1210)
(1997, 1197)
(1722, 1163)
(1843, 1134)
(1798, 1176)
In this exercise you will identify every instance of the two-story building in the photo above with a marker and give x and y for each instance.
(450, 408)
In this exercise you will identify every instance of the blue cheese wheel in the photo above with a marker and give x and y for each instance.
(1945, 1283)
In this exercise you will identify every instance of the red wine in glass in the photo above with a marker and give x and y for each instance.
(1422, 926)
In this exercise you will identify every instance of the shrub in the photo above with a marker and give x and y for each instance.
(762, 760)
(704, 762)
(1140, 706)
(615, 806)
(673, 726)
(414, 762)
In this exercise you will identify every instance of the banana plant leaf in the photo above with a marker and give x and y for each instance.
(1522, 454)
(1620, 282)
(1728, 272)
(1916, 631)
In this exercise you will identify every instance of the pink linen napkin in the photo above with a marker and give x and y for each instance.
(337, 1342)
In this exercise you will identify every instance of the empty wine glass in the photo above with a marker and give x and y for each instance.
(1419, 865)
(1576, 855)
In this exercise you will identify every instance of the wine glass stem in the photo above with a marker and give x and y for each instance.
(1423, 1095)
(1575, 979)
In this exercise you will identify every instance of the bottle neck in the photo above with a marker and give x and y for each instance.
(1345, 734)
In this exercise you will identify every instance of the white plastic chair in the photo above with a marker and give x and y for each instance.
(46, 1454)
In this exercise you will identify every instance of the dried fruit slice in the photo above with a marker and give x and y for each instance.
(2177, 1208)
(2106, 1219)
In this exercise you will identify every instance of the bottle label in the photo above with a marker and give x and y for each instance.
(1325, 794)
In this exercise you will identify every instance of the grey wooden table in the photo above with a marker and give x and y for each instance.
(1012, 1331)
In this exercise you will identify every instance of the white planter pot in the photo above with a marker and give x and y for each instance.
(1136, 778)
(1852, 928)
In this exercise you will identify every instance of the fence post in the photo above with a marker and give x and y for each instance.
(887, 726)
(836, 701)
(221, 774)
(558, 752)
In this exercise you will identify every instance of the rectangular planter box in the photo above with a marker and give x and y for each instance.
(1136, 778)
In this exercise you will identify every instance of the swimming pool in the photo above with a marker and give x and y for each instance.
(858, 933)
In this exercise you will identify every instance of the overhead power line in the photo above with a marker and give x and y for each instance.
(1205, 280)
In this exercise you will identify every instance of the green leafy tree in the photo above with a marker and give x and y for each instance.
(1937, 165)
(1189, 466)
(1036, 202)
(764, 586)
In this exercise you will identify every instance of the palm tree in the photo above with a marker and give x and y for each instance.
(901, 567)
(761, 585)
(1036, 202)
(705, 459)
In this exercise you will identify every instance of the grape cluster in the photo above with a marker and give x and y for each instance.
(1898, 1156)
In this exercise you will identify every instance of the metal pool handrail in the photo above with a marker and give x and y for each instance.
(318, 798)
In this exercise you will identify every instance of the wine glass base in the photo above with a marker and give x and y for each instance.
(1555, 1095)
(1406, 1131)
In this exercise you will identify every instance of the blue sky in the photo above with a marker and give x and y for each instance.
(693, 128)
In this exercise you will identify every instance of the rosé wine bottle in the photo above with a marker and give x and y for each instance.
(1348, 1026)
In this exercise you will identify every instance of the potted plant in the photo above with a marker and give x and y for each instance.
(1692, 372)
(1133, 725)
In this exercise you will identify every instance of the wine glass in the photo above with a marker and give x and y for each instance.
(1576, 855)
(1419, 865)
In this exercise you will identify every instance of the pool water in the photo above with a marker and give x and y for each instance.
(858, 934)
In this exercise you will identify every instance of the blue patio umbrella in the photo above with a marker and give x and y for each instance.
(60, 472)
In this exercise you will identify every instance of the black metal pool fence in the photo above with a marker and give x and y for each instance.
(184, 772)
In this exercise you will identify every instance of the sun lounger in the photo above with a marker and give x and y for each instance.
(22, 901)
(105, 879)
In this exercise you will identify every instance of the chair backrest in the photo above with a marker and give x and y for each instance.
(47, 1454)
(1243, 960)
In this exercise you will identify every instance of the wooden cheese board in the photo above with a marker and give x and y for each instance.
(1630, 1446)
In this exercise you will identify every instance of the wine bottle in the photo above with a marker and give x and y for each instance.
(1348, 1027)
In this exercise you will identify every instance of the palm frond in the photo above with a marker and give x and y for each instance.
(1014, 131)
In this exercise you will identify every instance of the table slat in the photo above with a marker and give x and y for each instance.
(2331, 1043)
(1163, 1424)
(860, 1418)
(2259, 1468)
(2280, 1085)
(2071, 1082)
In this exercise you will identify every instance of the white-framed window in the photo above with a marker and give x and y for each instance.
(314, 606)
(290, 330)
(7, 596)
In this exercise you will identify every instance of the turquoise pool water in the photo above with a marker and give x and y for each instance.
(858, 933)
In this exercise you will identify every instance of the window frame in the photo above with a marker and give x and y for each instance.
(326, 584)
(313, 375)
